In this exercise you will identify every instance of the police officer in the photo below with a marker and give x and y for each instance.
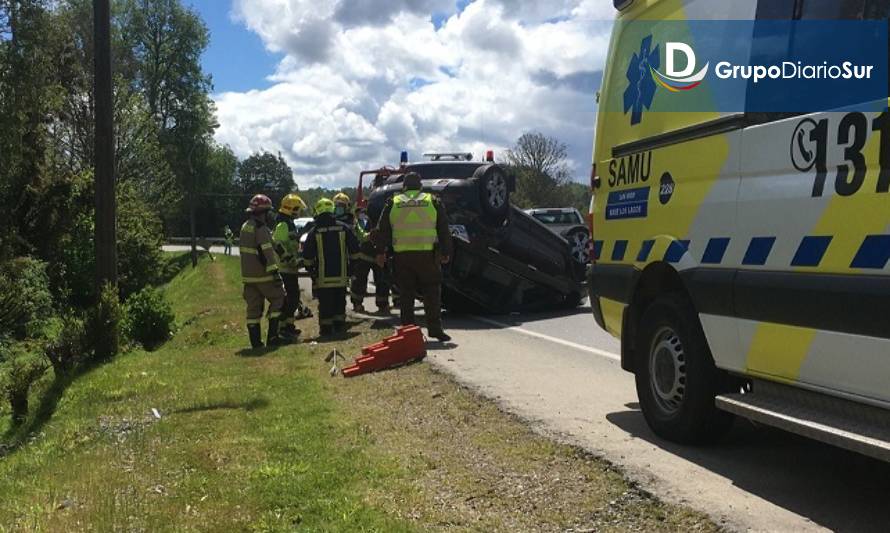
(364, 266)
(287, 245)
(330, 246)
(415, 226)
(259, 272)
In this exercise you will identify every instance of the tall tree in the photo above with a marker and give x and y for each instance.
(265, 173)
(541, 166)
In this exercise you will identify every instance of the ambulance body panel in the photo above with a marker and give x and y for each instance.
(783, 252)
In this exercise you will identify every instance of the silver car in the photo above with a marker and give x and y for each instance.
(568, 223)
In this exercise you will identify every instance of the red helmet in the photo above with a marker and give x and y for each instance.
(260, 203)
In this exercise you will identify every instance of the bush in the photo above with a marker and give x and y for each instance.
(139, 257)
(21, 365)
(103, 326)
(149, 318)
(69, 347)
(26, 303)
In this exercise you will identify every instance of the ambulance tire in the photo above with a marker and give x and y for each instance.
(676, 378)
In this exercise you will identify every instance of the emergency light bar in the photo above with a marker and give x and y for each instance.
(449, 156)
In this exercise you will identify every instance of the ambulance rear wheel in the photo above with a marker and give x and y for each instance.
(676, 378)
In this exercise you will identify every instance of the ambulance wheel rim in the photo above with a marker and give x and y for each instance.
(497, 190)
(667, 370)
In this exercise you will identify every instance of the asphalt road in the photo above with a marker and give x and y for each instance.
(561, 372)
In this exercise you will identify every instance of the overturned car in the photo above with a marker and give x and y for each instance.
(504, 259)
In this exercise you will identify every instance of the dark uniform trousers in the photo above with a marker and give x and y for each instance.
(419, 272)
(359, 289)
(331, 308)
(292, 301)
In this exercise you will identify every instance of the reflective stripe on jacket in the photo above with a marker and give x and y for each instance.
(288, 247)
(413, 218)
(330, 246)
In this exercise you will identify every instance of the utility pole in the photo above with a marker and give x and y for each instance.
(106, 210)
(193, 207)
(106, 223)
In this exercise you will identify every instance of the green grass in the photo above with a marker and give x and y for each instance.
(243, 443)
(272, 443)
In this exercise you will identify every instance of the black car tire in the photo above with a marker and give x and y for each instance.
(676, 378)
(579, 244)
(494, 192)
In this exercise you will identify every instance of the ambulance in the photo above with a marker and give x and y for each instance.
(743, 256)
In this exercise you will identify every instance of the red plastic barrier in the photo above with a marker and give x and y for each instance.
(405, 346)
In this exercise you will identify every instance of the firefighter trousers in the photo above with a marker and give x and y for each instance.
(257, 294)
(359, 289)
(419, 272)
(331, 309)
(292, 297)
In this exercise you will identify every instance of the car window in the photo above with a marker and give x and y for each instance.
(557, 218)
(831, 9)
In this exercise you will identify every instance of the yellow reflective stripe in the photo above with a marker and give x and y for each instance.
(275, 315)
(344, 272)
(319, 243)
(254, 321)
(245, 250)
(263, 279)
(266, 246)
(248, 228)
(309, 262)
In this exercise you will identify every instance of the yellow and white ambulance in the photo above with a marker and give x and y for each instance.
(742, 258)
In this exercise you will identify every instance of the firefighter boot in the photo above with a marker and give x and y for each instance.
(289, 331)
(256, 336)
(358, 306)
(273, 338)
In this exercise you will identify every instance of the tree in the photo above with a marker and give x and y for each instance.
(267, 174)
(541, 167)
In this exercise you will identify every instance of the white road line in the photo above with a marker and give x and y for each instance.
(576, 346)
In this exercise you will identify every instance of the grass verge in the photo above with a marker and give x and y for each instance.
(272, 443)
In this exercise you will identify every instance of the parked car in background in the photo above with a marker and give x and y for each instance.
(504, 259)
(568, 223)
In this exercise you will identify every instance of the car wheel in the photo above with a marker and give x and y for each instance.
(573, 300)
(676, 378)
(579, 244)
(495, 192)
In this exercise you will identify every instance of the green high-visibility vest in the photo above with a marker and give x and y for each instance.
(413, 218)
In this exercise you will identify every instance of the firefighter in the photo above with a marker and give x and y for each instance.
(287, 244)
(343, 209)
(414, 226)
(364, 266)
(229, 240)
(330, 246)
(259, 272)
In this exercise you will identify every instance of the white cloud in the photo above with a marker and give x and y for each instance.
(363, 79)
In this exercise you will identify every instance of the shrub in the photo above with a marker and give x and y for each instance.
(70, 346)
(139, 257)
(103, 326)
(26, 298)
(21, 365)
(149, 318)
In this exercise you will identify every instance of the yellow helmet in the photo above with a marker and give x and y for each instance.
(324, 206)
(292, 204)
(342, 198)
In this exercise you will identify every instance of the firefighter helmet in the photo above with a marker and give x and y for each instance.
(260, 204)
(342, 199)
(292, 204)
(324, 205)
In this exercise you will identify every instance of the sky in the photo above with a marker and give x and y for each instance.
(337, 86)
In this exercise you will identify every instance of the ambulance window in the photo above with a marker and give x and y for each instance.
(775, 9)
(831, 9)
(877, 9)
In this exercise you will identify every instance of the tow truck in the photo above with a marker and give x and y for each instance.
(504, 259)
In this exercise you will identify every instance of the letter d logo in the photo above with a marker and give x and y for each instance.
(680, 80)
(671, 51)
